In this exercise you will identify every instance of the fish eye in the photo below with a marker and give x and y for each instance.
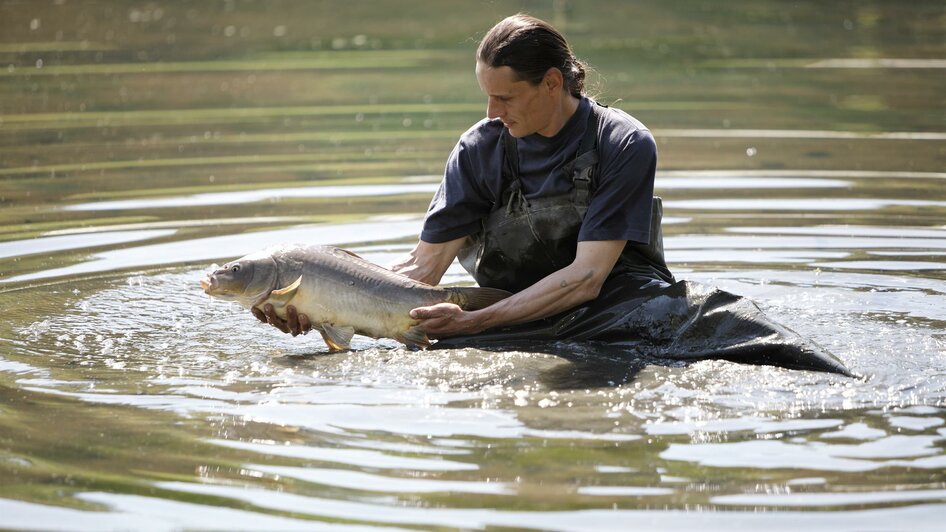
(235, 268)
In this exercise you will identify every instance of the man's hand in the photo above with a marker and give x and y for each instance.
(446, 319)
(295, 323)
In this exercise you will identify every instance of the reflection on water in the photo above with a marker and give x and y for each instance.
(240, 198)
(800, 204)
(141, 144)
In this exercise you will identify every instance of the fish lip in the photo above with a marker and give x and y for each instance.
(207, 283)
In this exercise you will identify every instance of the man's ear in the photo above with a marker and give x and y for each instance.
(553, 79)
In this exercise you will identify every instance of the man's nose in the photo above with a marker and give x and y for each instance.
(494, 108)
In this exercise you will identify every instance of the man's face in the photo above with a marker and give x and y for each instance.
(524, 108)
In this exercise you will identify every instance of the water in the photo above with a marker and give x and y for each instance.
(802, 165)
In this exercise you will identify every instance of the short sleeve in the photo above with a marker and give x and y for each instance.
(459, 203)
(622, 200)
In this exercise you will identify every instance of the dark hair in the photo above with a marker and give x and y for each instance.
(531, 47)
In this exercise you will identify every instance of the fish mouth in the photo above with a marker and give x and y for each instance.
(207, 284)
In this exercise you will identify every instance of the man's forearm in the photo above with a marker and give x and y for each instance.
(558, 292)
(573, 285)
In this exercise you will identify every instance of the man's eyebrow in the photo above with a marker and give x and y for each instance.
(501, 94)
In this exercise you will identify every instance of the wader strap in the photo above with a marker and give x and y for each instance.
(586, 159)
(512, 195)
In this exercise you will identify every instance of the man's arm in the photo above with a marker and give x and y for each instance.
(573, 285)
(428, 262)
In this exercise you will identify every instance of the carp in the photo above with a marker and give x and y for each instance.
(341, 293)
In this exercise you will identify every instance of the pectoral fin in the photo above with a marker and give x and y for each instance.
(283, 295)
(337, 338)
(413, 337)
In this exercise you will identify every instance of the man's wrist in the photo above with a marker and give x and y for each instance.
(481, 320)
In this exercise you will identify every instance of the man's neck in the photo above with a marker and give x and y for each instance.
(566, 109)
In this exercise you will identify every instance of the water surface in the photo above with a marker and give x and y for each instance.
(801, 164)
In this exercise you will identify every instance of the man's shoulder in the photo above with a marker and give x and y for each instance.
(620, 121)
(476, 156)
(619, 132)
(486, 132)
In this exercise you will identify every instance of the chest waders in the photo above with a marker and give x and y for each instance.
(640, 313)
(523, 240)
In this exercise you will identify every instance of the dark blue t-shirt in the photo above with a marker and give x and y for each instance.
(622, 190)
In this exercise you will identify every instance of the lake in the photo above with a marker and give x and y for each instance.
(802, 164)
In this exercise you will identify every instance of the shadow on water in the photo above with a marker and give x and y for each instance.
(588, 365)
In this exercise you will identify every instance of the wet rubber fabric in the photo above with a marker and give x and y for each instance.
(683, 321)
(641, 308)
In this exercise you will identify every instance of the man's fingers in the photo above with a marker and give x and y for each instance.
(273, 319)
(424, 313)
(304, 324)
(292, 320)
(294, 324)
(436, 311)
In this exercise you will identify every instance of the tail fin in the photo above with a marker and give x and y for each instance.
(475, 298)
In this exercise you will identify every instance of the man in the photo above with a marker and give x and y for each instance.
(548, 197)
(551, 197)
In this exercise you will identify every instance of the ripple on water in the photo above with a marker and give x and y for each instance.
(161, 326)
(213, 248)
(888, 452)
(385, 420)
(20, 248)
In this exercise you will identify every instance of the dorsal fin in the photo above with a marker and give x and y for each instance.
(350, 252)
(390, 276)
